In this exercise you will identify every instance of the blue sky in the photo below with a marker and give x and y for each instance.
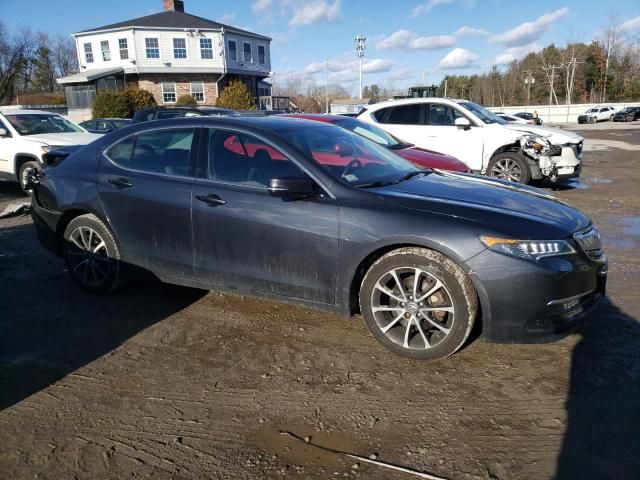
(407, 39)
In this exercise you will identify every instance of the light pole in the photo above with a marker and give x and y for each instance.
(529, 81)
(360, 48)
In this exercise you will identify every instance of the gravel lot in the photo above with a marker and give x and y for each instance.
(163, 382)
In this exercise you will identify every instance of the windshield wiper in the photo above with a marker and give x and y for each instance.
(386, 183)
(412, 174)
(399, 146)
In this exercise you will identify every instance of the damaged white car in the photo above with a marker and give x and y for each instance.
(481, 139)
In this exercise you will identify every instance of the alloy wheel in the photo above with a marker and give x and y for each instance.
(507, 169)
(88, 257)
(412, 308)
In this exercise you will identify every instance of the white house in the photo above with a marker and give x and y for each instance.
(168, 53)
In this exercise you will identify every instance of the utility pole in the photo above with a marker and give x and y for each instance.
(360, 48)
(528, 81)
(445, 87)
(326, 88)
(606, 68)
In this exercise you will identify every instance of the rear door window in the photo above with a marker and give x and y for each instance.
(404, 115)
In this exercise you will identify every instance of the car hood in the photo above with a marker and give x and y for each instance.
(432, 159)
(502, 206)
(556, 136)
(72, 138)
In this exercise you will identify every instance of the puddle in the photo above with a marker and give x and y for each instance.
(631, 225)
(574, 183)
(598, 180)
(299, 453)
(623, 243)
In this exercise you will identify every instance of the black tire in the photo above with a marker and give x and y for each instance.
(521, 172)
(25, 168)
(611, 118)
(101, 272)
(457, 290)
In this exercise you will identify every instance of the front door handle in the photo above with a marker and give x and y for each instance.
(211, 199)
(120, 182)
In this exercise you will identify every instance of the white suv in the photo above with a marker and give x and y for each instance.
(597, 114)
(481, 139)
(26, 135)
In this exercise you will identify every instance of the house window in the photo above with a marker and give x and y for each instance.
(106, 54)
(206, 48)
(233, 50)
(152, 47)
(247, 53)
(197, 91)
(168, 92)
(179, 48)
(124, 49)
(88, 53)
(261, 55)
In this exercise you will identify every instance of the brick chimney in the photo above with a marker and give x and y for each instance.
(173, 5)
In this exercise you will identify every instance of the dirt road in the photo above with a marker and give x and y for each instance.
(166, 382)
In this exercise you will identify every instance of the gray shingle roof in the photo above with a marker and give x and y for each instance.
(172, 19)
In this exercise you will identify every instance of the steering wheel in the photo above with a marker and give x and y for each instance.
(352, 164)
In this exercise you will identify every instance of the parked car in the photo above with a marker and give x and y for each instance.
(529, 116)
(25, 135)
(513, 119)
(481, 139)
(597, 114)
(105, 125)
(314, 213)
(160, 113)
(417, 156)
(627, 114)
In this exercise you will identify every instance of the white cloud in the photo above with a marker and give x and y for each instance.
(514, 53)
(227, 18)
(403, 39)
(633, 24)
(457, 58)
(345, 68)
(433, 43)
(399, 39)
(469, 31)
(315, 12)
(260, 6)
(428, 6)
(528, 32)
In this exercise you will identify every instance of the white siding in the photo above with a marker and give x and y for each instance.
(114, 48)
(240, 64)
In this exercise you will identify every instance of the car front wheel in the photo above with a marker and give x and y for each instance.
(418, 303)
(23, 175)
(92, 254)
(509, 166)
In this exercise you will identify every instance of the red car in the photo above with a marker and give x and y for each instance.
(418, 156)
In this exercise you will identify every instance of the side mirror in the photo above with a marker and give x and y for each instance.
(291, 187)
(463, 123)
(4, 132)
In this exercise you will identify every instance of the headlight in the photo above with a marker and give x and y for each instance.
(535, 143)
(45, 148)
(528, 249)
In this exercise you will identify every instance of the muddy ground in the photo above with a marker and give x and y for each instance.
(163, 382)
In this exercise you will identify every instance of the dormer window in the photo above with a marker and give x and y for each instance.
(152, 47)
(233, 51)
(247, 55)
(106, 53)
(88, 53)
(179, 48)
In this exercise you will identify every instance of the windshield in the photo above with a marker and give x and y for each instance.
(371, 132)
(627, 110)
(482, 113)
(121, 123)
(592, 110)
(348, 157)
(37, 123)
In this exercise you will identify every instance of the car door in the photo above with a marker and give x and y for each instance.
(406, 122)
(246, 238)
(466, 144)
(7, 143)
(145, 184)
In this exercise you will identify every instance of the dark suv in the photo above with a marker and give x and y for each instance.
(159, 113)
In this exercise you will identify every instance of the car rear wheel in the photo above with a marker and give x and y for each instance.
(23, 175)
(91, 254)
(509, 166)
(418, 303)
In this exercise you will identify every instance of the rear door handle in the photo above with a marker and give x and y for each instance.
(120, 182)
(211, 199)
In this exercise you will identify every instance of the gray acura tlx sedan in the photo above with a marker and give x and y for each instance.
(316, 214)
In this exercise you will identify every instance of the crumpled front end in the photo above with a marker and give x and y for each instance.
(552, 161)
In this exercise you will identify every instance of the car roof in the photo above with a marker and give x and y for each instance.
(318, 117)
(403, 101)
(26, 112)
(269, 123)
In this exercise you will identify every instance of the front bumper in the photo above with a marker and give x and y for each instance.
(46, 222)
(527, 302)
